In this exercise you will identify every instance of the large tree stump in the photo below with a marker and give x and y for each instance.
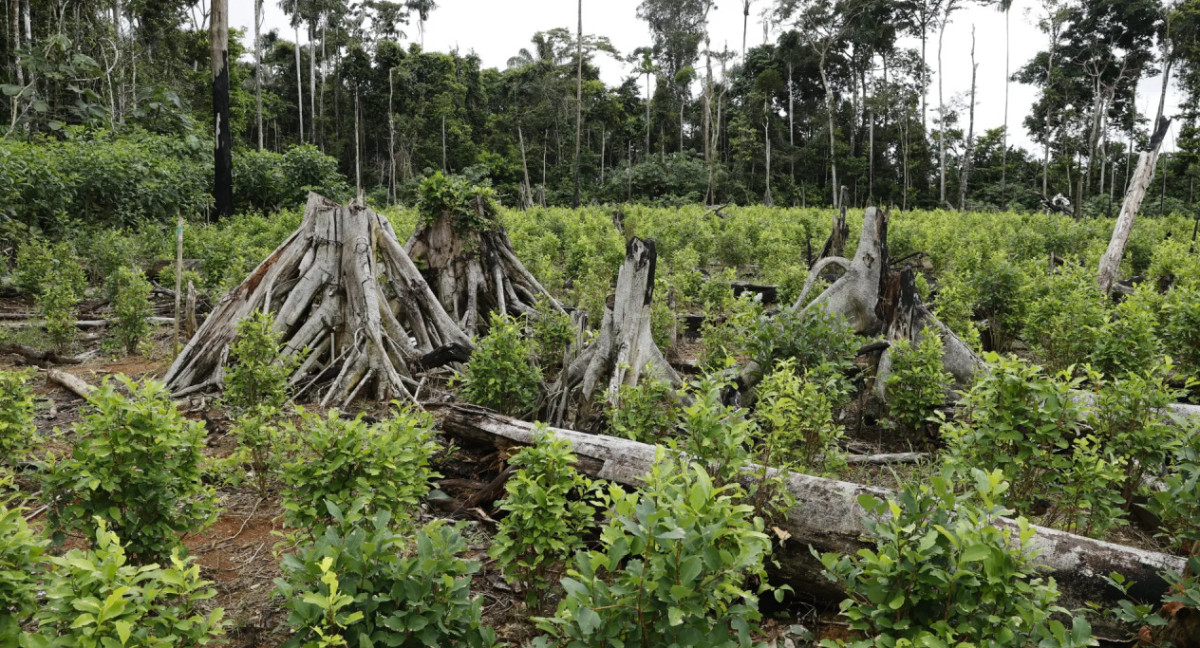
(343, 291)
(623, 350)
(474, 272)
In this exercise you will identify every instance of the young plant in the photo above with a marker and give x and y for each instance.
(135, 465)
(548, 508)
(821, 344)
(259, 436)
(1127, 342)
(917, 384)
(93, 598)
(258, 374)
(1066, 312)
(16, 416)
(20, 551)
(1178, 505)
(501, 374)
(644, 412)
(796, 420)
(551, 333)
(942, 574)
(339, 461)
(360, 579)
(676, 566)
(57, 303)
(130, 294)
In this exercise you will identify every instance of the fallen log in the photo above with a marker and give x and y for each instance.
(827, 516)
(888, 459)
(81, 324)
(74, 384)
(38, 356)
(768, 294)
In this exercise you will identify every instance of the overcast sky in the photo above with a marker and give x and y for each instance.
(497, 29)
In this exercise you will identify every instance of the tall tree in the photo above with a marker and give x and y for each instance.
(949, 7)
(258, 6)
(578, 101)
(223, 136)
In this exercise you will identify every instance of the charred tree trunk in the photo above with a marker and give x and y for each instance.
(835, 245)
(475, 272)
(623, 351)
(323, 287)
(827, 516)
(223, 135)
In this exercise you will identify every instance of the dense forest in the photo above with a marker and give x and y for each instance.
(841, 97)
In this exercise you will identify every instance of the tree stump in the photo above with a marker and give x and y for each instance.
(623, 351)
(344, 292)
(474, 271)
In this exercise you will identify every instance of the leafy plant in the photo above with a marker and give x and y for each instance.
(548, 508)
(1065, 315)
(944, 574)
(500, 374)
(94, 600)
(795, 417)
(821, 344)
(136, 465)
(646, 411)
(258, 373)
(339, 461)
(676, 565)
(471, 206)
(259, 435)
(16, 415)
(1178, 504)
(57, 304)
(917, 384)
(361, 582)
(726, 340)
(1181, 334)
(42, 265)
(551, 333)
(1127, 342)
(716, 435)
(131, 304)
(20, 550)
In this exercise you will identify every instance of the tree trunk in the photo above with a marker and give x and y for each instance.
(527, 198)
(942, 116)
(767, 200)
(258, 69)
(323, 286)
(223, 136)
(1004, 133)
(312, 82)
(827, 516)
(622, 351)
(968, 153)
(578, 103)
(299, 82)
(1111, 261)
(832, 144)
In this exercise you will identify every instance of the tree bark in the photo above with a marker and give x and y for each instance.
(827, 516)
(258, 5)
(1111, 261)
(299, 82)
(964, 183)
(578, 103)
(223, 136)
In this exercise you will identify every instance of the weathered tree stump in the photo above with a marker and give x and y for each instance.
(343, 291)
(474, 271)
(623, 350)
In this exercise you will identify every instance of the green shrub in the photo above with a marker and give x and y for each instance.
(339, 460)
(942, 574)
(917, 384)
(795, 417)
(136, 465)
(644, 412)
(1066, 312)
(501, 374)
(94, 599)
(547, 509)
(1024, 422)
(1178, 505)
(716, 294)
(259, 436)
(1127, 341)
(1181, 334)
(676, 566)
(267, 181)
(472, 207)
(551, 334)
(726, 340)
(361, 583)
(41, 265)
(131, 304)
(17, 428)
(20, 550)
(822, 345)
(258, 373)
(57, 304)
(716, 435)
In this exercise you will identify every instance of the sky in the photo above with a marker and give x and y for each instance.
(497, 29)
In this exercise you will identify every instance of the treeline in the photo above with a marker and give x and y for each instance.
(838, 99)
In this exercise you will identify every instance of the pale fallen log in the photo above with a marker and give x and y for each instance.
(81, 324)
(73, 383)
(827, 516)
(888, 459)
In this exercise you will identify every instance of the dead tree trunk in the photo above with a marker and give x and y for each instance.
(1111, 261)
(835, 245)
(827, 516)
(474, 273)
(323, 287)
(624, 349)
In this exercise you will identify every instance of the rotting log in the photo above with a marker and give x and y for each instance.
(38, 356)
(345, 296)
(623, 350)
(475, 272)
(73, 383)
(828, 518)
